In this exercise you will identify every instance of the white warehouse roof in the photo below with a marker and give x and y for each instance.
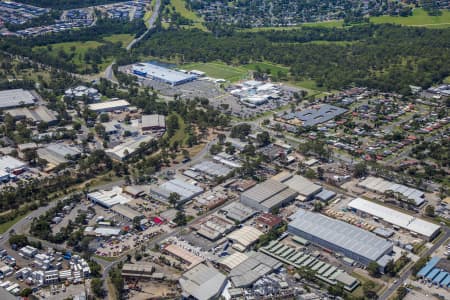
(109, 198)
(108, 106)
(9, 163)
(15, 98)
(395, 217)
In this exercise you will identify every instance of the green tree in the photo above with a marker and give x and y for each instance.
(174, 198)
(97, 287)
(429, 211)
(373, 269)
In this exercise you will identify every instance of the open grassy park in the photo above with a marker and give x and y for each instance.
(180, 7)
(125, 39)
(218, 70)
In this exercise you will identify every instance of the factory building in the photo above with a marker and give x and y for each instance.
(314, 115)
(305, 188)
(351, 241)
(203, 283)
(418, 226)
(108, 106)
(381, 186)
(185, 190)
(11, 165)
(37, 114)
(128, 148)
(16, 98)
(153, 122)
(268, 195)
(126, 212)
(56, 154)
(108, 198)
(158, 73)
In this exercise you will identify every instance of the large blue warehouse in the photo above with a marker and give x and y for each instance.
(351, 241)
(158, 73)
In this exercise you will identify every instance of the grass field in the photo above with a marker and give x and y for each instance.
(218, 70)
(419, 18)
(124, 38)
(78, 49)
(188, 14)
(180, 134)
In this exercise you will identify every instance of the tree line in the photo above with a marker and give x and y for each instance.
(381, 56)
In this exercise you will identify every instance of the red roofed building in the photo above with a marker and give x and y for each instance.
(266, 222)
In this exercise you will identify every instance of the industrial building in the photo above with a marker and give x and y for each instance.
(418, 226)
(351, 241)
(109, 198)
(158, 73)
(128, 148)
(185, 190)
(109, 106)
(237, 211)
(315, 115)
(37, 114)
(138, 271)
(256, 265)
(436, 272)
(12, 165)
(208, 169)
(213, 227)
(126, 212)
(298, 259)
(16, 98)
(183, 255)
(381, 186)
(203, 283)
(268, 195)
(56, 154)
(153, 122)
(304, 187)
(244, 237)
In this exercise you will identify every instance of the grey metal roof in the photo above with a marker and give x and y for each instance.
(14, 98)
(153, 121)
(302, 185)
(162, 73)
(211, 168)
(238, 211)
(341, 234)
(202, 282)
(265, 190)
(254, 267)
(182, 188)
(325, 195)
(317, 114)
(37, 114)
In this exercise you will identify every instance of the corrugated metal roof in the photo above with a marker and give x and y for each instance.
(341, 234)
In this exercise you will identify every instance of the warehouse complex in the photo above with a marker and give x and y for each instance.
(268, 195)
(128, 148)
(37, 114)
(185, 190)
(351, 241)
(202, 282)
(16, 98)
(158, 73)
(381, 186)
(58, 153)
(304, 187)
(108, 198)
(421, 227)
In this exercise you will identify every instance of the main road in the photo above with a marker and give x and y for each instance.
(408, 272)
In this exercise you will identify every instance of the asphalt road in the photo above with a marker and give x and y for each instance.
(405, 275)
(151, 24)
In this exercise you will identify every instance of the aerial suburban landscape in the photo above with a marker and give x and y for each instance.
(225, 149)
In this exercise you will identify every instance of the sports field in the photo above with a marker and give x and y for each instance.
(218, 70)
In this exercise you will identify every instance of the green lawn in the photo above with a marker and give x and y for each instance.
(419, 18)
(180, 7)
(79, 49)
(124, 38)
(218, 70)
(5, 226)
(180, 134)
